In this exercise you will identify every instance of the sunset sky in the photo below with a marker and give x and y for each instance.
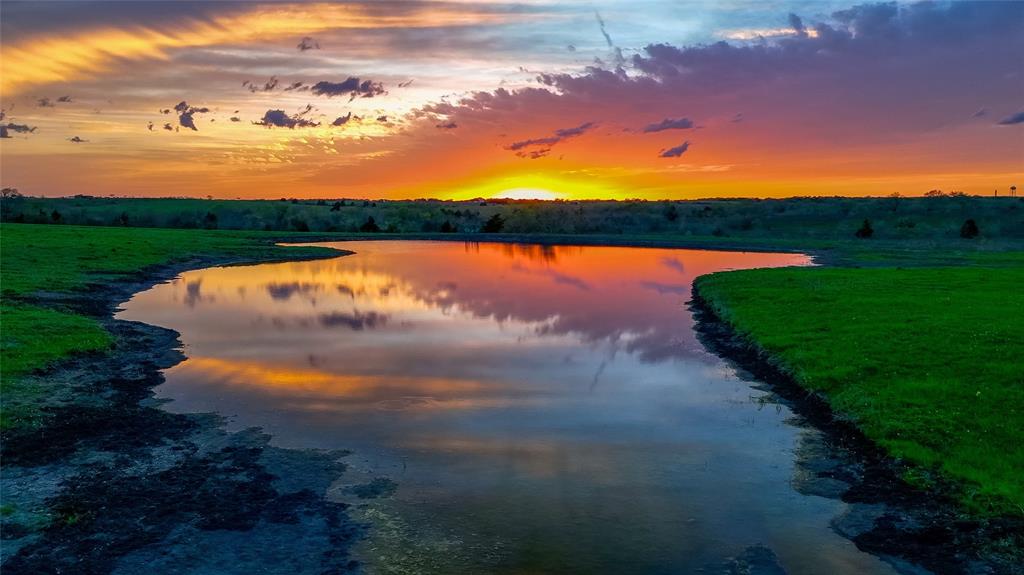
(459, 99)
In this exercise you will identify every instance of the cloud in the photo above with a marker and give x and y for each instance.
(64, 99)
(186, 113)
(351, 87)
(5, 130)
(669, 124)
(235, 119)
(308, 43)
(268, 86)
(1013, 119)
(121, 32)
(797, 24)
(280, 119)
(560, 136)
(285, 290)
(45, 103)
(447, 125)
(676, 151)
(77, 140)
(355, 321)
(168, 127)
(342, 120)
(604, 31)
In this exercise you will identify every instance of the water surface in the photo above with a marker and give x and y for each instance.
(541, 409)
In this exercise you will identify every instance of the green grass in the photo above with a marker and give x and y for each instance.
(35, 259)
(928, 362)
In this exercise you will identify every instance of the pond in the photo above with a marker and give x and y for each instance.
(509, 408)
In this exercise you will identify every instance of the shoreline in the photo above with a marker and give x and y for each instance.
(113, 483)
(904, 525)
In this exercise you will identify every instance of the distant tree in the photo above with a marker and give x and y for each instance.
(391, 229)
(969, 230)
(370, 226)
(210, 221)
(934, 194)
(55, 216)
(336, 207)
(494, 224)
(300, 225)
(321, 202)
(123, 219)
(671, 213)
(865, 231)
(10, 193)
(447, 227)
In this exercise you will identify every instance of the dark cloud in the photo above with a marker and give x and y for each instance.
(351, 87)
(149, 126)
(560, 135)
(45, 103)
(405, 84)
(669, 124)
(268, 86)
(342, 120)
(278, 118)
(673, 263)
(355, 321)
(64, 99)
(168, 127)
(235, 119)
(982, 112)
(77, 140)
(447, 125)
(296, 86)
(5, 130)
(285, 290)
(308, 43)
(604, 31)
(676, 151)
(186, 114)
(797, 24)
(382, 119)
(1017, 118)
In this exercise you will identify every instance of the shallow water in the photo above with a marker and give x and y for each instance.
(541, 409)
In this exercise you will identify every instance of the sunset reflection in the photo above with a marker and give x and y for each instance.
(548, 384)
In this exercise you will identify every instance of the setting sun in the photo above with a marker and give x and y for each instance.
(527, 194)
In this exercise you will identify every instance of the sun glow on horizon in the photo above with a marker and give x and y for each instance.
(527, 194)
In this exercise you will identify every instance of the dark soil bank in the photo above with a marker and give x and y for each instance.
(113, 484)
(913, 529)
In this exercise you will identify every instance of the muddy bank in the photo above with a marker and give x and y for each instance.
(917, 531)
(110, 483)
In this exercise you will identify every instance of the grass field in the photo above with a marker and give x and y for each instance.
(926, 361)
(37, 259)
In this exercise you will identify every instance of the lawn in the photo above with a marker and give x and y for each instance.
(35, 259)
(928, 362)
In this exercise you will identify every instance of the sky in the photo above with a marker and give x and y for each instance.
(458, 99)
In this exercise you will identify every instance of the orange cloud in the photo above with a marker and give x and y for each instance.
(41, 60)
